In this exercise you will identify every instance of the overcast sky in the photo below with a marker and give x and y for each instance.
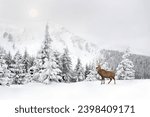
(112, 24)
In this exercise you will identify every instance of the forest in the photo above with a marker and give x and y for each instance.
(49, 65)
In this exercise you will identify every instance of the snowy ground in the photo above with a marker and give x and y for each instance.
(131, 92)
(129, 89)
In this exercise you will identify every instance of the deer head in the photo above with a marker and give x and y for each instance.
(98, 67)
(99, 64)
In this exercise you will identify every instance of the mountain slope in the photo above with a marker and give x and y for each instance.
(14, 38)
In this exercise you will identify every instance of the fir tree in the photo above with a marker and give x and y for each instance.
(25, 62)
(79, 71)
(91, 73)
(45, 51)
(57, 56)
(31, 61)
(66, 65)
(43, 55)
(4, 72)
(125, 69)
(51, 72)
(87, 70)
(46, 61)
(47, 44)
(8, 58)
(17, 69)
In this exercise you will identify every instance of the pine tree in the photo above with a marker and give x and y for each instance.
(44, 53)
(8, 59)
(66, 65)
(25, 62)
(87, 70)
(40, 60)
(79, 71)
(4, 72)
(51, 72)
(125, 69)
(39, 66)
(91, 73)
(17, 69)
(46, 62)
(92, 76)
(57, 56)
(31, 61)
(47, 44)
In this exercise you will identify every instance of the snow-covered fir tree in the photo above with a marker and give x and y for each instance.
(46, 62)
(125, 69)
(31, 61)
(4, 72)
(92, 76)
(43, 55)
(87, 70)
(51, 72)
(57, 56)
(17, 69)
(25, 62)
(91, 73)
(79, 71)
(8, 58)
(66, 65)
(40, 61)
(45, 50)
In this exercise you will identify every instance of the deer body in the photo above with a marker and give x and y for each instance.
(105, 74)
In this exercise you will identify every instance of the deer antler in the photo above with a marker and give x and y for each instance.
(97, 62)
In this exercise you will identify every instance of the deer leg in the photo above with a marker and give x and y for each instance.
(110, 80)
(102, 80)
(114, 81)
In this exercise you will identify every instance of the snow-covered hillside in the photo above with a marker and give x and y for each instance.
(123, 90)
(15, 38)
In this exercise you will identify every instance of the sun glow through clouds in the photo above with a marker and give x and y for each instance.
(33, 13)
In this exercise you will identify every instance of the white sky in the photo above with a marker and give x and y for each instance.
(112, 24)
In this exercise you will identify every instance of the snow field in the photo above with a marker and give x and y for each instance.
(86, 90)
(125, 92)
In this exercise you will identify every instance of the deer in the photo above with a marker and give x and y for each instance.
(105, 74)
